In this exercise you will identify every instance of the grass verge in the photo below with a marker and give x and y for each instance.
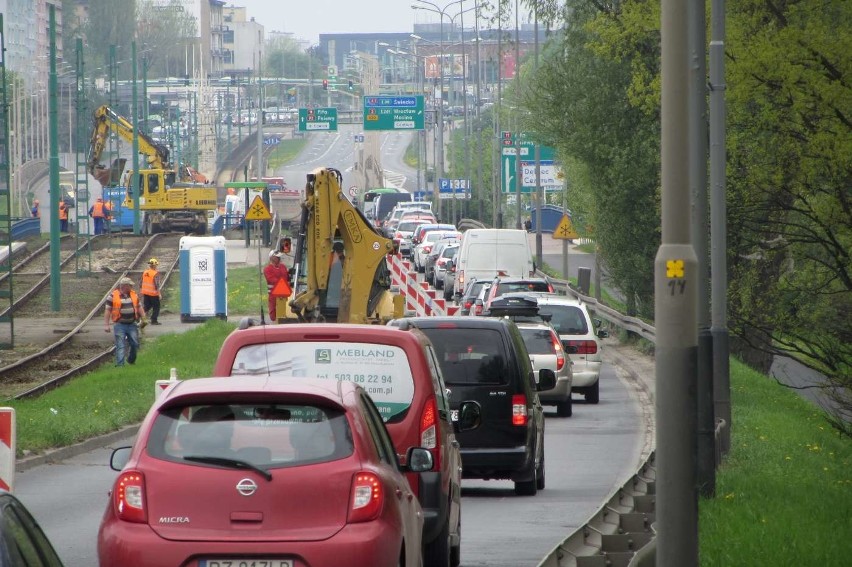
(784, 493)
(286, 151)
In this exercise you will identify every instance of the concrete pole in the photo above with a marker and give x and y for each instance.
(439, 153)
(700, 234)
(539, 194)
(498, 148)
(675, 313)
(718, 224)
(480, 188)
(259, 166)
(55, 190)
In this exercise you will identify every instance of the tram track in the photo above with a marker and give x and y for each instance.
(30, 370)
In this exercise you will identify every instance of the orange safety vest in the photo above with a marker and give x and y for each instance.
(116, 304)
(149, 283)
(63, 211)
(98, 209)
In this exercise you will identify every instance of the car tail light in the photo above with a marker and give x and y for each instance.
(519, 409)
(584, 347)
(398, 236)
(461, 279)
(129, 497)
(478, 309)
(467, 305)
(429, 431)
(557, 350)
(440, 261)
(366, 499)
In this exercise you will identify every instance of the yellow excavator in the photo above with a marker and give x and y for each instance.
(341, 272)
(169, 198)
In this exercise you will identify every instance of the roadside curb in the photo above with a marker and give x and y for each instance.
(54, 456)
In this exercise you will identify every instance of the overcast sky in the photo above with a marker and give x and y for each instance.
(309, 18)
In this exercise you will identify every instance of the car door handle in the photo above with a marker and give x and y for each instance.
(399, 493)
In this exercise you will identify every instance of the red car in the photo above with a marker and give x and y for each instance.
(262, 471)
(400, 372)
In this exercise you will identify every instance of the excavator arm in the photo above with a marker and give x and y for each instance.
(106, 119)
(328, 216)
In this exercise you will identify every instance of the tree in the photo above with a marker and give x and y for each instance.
(167, 38)
(111, 22)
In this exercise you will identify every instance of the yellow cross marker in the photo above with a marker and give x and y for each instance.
(674, 268)
(258, 210)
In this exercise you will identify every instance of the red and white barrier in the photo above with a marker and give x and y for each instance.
(419, 297)
(8, 438)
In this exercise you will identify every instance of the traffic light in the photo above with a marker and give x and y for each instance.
(286, 245)
(351, 86)
(325, 84)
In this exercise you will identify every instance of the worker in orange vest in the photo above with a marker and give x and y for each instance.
(98, 212)
(63, 216)
(273, 272)
(122, 309)
(150, 289)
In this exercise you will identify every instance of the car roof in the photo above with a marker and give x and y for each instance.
(453, 322)
(206, 388)
(552, 299)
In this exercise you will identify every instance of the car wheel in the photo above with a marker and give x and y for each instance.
(565, 409)
(437, 552)
(455, 550)
(527, 487)
(593, 393)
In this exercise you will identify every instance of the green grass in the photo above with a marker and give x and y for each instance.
(111, 398)
(246, 292)
(286, 151)
(784, 494)
(410, 157)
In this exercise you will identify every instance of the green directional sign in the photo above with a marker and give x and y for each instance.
(394, 112)
(313, 119)
(550, 172)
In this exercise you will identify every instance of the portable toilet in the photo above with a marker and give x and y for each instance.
(203, 278)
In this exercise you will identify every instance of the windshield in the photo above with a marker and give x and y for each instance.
(566, 319)
(382, 370)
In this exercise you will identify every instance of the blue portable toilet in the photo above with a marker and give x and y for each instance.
(203, 278)
(551, 215)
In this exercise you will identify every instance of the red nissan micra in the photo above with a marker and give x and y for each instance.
(263, 471)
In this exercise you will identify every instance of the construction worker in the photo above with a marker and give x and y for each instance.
(63, 216)
(150, 289)
(122, 309)
(34, 211)
(273, 272)
(98, 212)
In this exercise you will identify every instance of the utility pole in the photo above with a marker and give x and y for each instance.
(539, 193)
(55, 189)
(718, 224)
(519, 168)
(134, 179)
(676, 292)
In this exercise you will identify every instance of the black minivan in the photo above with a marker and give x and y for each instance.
(484, 360)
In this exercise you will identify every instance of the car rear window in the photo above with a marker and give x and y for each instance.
(537, 341)
(384, 371)
(566, 319)
(511, 287)
(470, 356)
(449, 252)
(408, 226)
(265, 434)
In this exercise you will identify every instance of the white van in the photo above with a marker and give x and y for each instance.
(486, 253)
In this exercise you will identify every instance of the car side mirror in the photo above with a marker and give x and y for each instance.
(469, 416)
(449, 265)
(119, 458)
(546, 379)
(568, 347)
(419, 460)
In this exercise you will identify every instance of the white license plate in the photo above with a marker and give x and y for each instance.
(454, 415)
(245, 563)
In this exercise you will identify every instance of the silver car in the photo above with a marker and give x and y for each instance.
(545, 351)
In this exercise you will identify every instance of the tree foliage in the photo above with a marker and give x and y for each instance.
(789, 142)
(169, 37)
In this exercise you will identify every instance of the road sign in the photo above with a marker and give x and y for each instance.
(550, 172)
(565, 230)
(312, 119)
(332, 71)
(272, 141)
(258, 210)
(359, 137)
(454, 188)
(394, 112)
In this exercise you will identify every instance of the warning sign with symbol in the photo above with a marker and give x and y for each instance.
(565, 230)
(258, 210)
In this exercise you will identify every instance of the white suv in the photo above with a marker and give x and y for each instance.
(580, 339)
